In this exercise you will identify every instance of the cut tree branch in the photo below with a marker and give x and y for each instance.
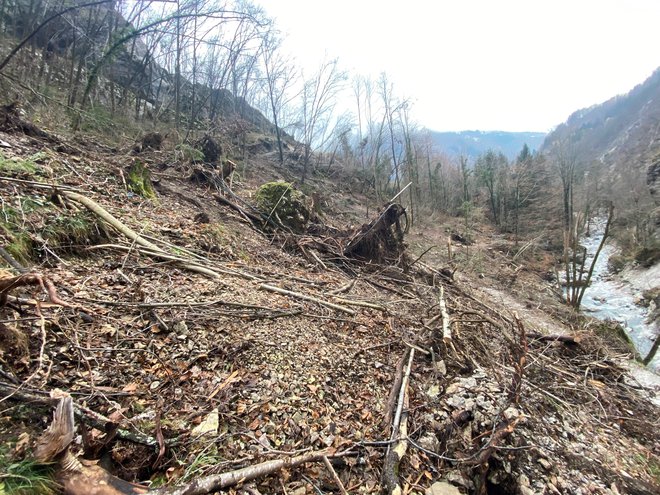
(305, 297)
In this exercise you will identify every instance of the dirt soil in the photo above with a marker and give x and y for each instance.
(225, 372)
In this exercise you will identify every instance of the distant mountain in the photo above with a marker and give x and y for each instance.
(474, 143)
(622, 133)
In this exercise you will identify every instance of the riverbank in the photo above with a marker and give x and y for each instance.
(619, 297)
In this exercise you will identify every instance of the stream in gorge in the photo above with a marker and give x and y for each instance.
(612, 297)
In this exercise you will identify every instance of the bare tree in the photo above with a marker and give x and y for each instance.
(318, 102)
(565, 162)
(386, 90)
(280, 77)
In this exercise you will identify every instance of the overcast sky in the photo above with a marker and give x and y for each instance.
(513, 65)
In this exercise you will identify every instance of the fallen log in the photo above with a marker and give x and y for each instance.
(394, 392)
(446, 327)
(98, 210)
(213, 483)
(305, 297)
(399, 439)
(566, 339)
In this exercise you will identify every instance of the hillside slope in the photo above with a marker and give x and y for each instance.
(199, 373)
(622, 133)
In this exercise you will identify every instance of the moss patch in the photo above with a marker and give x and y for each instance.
(648, 255)
(139, 180)
(32, 222)
(16, 166)
(70, 232)
(13, 235)
(616, 337)
(189, 154)
(281, 201)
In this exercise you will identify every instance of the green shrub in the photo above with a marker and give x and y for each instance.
(17, 166)
(189, 153)
(616, 263)
(69, 232)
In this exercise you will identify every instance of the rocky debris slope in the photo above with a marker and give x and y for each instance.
(178, 374)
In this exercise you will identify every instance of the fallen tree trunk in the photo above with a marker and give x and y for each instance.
(446, 327)
(399, 438)
(213, 483)
(305, 297)
(98, 210)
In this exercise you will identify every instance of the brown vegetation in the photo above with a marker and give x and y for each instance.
(202, 342)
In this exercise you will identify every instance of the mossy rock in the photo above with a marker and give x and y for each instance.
(14, 236)
(617, 263)
(139, 181)
(616, 336)
(18, 244)
(189, 153)
(283, 202)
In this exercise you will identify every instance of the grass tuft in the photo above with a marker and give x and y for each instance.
(26, 477)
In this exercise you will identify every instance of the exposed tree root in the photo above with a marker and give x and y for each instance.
(8, 283)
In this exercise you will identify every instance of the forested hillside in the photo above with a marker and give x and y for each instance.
(475, 143)
(613, 149)
(621, 132)
(216, 279)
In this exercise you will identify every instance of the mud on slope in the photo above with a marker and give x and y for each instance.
(235, 374)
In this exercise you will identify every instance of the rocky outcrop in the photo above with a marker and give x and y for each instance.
(653, 179)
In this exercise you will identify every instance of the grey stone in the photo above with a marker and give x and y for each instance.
(430, 442)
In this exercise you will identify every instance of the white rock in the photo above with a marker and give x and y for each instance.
(456, 401)
(511, 413)
(441, 367)
(442, 488)
(433, 391)
(457, 478)
(209, 425)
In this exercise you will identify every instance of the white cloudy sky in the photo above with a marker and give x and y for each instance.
(515, 65)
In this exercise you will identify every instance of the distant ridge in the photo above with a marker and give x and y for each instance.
(474, 143)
